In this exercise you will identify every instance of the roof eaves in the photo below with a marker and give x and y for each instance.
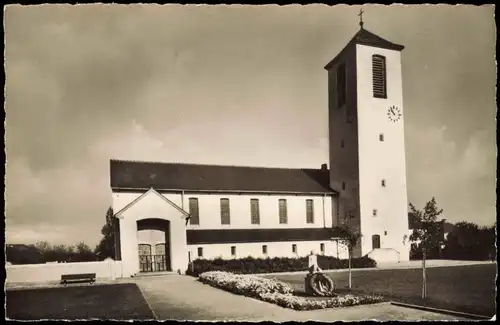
(388, 45)
(338, 56)
(144, 162)
(138, 189)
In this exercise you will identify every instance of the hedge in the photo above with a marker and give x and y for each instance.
(250, 265)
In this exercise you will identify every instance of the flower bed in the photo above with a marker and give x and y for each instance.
(277, 292)
(252, 265)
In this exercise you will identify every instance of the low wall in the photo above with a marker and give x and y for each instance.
(49, 272)
(385, 255)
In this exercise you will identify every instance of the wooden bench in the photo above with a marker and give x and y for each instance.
(82, 277)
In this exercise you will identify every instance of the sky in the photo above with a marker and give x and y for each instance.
(229, 85)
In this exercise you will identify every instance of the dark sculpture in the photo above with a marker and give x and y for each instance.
(316, 282)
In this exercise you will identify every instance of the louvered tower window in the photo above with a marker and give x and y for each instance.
(379, 76)
(341, 85)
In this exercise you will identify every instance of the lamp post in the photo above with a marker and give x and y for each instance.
(336, 239)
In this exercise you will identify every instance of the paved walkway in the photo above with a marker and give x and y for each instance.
(179, 297)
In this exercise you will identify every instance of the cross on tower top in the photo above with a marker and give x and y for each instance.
(361, 18)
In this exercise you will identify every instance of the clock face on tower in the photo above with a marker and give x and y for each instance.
(394, 114)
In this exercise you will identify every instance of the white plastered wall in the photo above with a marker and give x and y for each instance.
(381, 159)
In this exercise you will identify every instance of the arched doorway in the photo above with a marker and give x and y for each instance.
(154, 256)
(375, 241)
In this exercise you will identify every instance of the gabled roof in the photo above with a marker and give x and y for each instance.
(151, 190)
(19, 246)
(136, 175)
(413, 223)
(365, 37)
(448, 227)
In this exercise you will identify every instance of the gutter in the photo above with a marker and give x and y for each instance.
(139, 189)
(324, 220)
(182, 205)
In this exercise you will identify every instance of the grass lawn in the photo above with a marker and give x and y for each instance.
(117, 301)
(469, 289)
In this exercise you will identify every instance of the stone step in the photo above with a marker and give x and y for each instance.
(150, 274)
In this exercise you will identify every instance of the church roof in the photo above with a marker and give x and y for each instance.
(448, 227)
(137, 175)
(413, 223)
(365, 37)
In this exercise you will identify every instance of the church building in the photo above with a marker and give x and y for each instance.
(168, 214)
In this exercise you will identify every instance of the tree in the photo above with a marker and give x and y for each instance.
(43, 246)
(84, 253)
(488, 242)
(468, 241)
(349, 236)
(60, 253)
(45, 250)
(426, 234)
(106, 247)
(22, 254)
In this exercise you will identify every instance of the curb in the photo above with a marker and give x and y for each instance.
(54, 285)
(442, 311)
(147, 302)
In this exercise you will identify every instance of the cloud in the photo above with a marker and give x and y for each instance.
(52, 234)
(62, 204)
(461, 178)
(70, 82)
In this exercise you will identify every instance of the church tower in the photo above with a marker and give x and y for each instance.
(367, 145)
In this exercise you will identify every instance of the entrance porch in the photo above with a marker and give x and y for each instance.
(152, 236)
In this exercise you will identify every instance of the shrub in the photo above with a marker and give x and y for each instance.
(300, 303)
(250, 265)
(278, 292)
(247, 285)
(332, 263)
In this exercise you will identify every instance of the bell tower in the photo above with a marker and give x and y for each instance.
(366, 144)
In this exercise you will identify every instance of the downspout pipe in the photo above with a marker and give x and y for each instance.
(182, 207)
(324, 220)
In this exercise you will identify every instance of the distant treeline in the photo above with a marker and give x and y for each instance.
(43, 252)
(466, 241)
